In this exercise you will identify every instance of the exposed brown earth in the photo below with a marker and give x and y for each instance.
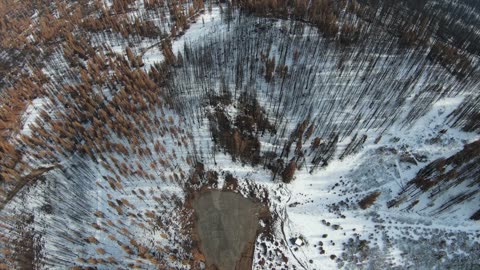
(227, 225)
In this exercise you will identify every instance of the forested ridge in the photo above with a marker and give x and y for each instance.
(98, 142)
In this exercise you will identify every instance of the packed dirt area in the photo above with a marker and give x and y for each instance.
(227, 226)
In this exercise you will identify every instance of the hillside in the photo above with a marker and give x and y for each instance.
(352, 125)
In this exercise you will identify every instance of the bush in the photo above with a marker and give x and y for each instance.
(476, 216)
(289, 172)
(368, 200)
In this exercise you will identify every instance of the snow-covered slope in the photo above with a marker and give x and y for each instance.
(329, 136)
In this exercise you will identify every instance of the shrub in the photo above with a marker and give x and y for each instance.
(368, 200)
(289, 172)
(476, 216)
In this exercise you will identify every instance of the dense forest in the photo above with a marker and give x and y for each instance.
(101, 147)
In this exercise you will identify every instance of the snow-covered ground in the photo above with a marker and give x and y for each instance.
(370, 170)
(206, 23)
(32, 112)
(318, 210)
(322, 208)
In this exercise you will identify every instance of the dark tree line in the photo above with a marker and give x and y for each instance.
(460, 169)
(360, 88)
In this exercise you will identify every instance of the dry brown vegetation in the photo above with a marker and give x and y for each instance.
(79, 120)
(460, 167)
(108, 110)
(444, 174)
(321, 13)
(239, 136)
(14, 103)
(369, 200)
(289, 172)
(414, 30)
